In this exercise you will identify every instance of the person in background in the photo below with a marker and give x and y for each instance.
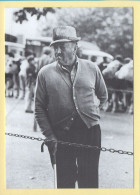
(22, 73)
(8, 75)
(31, 74)
(69, 95)
(46, 58)
(103, 64)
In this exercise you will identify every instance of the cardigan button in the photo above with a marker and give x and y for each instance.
(66, 128)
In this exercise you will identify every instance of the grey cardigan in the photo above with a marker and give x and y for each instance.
(56, 98)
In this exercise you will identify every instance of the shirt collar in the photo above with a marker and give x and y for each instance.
(75, 64)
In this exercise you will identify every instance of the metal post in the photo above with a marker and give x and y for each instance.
(55, 176)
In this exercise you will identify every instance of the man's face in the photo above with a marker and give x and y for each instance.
(65, 52)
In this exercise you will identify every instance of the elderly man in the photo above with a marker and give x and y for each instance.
(69, 93)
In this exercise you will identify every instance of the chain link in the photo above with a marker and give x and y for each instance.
(25, 136)
(103, 149)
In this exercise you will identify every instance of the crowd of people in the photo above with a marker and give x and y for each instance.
(118, 76)
(21, 73)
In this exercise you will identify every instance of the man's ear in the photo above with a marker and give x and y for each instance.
(76, 47)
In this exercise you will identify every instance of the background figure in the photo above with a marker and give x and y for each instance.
(30, 84)
(103, 64)
(113, 84)
(125, 74)
(8, 75)
(12, 69)
(22, 73)
(46, 58)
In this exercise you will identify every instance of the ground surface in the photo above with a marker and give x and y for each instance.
(27, 167)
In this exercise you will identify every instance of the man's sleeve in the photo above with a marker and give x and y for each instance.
(41, 101)
(100, 87)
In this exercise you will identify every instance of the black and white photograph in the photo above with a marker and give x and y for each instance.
(69, 97)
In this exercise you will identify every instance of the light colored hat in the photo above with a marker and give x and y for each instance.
(64, 34)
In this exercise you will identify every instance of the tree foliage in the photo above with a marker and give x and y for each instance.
(22, 14)
(110, 28)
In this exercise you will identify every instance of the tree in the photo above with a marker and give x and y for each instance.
(22, 14)
(46, 24)
(110, 28)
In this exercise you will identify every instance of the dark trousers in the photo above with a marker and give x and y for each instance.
(78, 163)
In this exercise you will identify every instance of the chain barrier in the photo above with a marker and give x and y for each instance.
(103, 149)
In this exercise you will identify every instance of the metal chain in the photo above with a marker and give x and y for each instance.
(24, 136)
(103, 149)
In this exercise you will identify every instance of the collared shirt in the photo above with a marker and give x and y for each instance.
(71, 70)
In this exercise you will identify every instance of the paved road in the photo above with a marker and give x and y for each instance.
(27, 167)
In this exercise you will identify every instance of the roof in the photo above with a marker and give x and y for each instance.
(88, 45)
(43, 39)
(97, 53)
(14, 44)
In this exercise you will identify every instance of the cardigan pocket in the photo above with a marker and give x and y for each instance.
(62, 123)
(93, 114)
